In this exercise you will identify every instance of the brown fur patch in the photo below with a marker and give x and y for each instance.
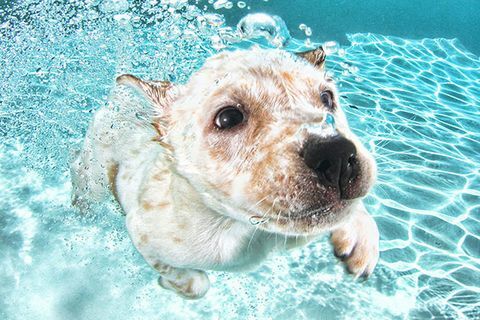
(316, 57)
(160, 175)
(340, 242)
(143, 239)
(177, 240)
(149, 206)
(185, 289)
(162, 268)
(182, 226)
(112, 173)
(161, 205)
(164, 144)
(356, 262)
(287, 76)
(188, 288)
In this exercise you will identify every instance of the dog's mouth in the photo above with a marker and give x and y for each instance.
(304, 221)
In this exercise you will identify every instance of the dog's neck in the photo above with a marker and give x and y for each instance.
(186, 193)
(239, 244)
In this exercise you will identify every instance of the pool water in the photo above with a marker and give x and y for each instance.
(414, 103)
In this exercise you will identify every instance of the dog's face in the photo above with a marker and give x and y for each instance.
(262, 137)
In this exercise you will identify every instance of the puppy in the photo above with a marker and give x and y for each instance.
(209, 173)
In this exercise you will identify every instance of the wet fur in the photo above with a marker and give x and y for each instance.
(198, 199)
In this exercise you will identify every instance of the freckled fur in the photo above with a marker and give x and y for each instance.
(189, 191)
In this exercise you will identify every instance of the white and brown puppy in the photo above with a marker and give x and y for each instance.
(254, 146)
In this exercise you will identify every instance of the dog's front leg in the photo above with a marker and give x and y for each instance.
(356, 242)
(154, 232)
(189, 283)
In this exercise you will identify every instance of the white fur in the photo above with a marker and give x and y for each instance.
(180, 223)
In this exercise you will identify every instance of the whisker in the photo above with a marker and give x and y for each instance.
(257, 226)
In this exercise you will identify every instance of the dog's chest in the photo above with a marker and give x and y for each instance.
(189, 236)
(239, 248)
(168, 221)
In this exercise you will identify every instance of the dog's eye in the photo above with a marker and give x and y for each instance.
(327, 99)
(229, 117)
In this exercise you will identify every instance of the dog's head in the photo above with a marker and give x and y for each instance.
(261, 136)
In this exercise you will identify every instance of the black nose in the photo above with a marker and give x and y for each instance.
(333, 159)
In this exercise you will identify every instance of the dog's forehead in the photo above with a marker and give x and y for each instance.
(258, 77)
(259, 62)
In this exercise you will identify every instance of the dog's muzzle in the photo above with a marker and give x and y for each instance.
(333, 159)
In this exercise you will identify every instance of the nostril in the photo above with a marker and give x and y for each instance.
(324, 172)
(351, 167)
(324, 165)
(351, 160)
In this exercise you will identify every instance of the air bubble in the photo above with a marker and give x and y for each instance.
(191, 13)
(189, 34)
(5, 25)
(330, 47)
(325, 128)
(229, 35)
(217, 42)
(353, 69)
(260, 25)
(114, 6)
(122, 19)
(219, 4)
(256, 220)
(241, 4)
(308, 31)
(214, 19)
(175, 4)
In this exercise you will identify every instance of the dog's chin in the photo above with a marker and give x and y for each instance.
(309, 221)
(317, 214)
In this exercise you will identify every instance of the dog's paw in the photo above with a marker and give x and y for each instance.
(356, 244)
(194, 284)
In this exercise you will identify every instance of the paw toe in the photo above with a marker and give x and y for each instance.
(343, 245)
(360, 257)
(362, 261)
(192, 288)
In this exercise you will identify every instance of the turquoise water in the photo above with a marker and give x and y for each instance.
(414, 103)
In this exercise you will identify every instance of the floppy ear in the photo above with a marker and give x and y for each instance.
(160, 93)
(316, 57)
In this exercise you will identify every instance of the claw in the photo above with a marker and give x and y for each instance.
(342, 257)
(364, 276)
